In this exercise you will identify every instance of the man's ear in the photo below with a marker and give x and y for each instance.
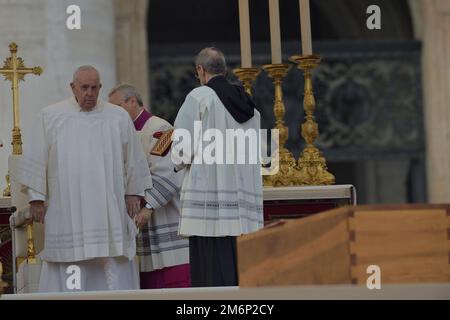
(72, 85)
(100, 86)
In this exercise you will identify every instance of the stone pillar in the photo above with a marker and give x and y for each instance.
(382, 181)
(131, 45)
(39, 29)
(436, 84)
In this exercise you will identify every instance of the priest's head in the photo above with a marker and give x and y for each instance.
(86, 87)
(128, 97)
(210, 62)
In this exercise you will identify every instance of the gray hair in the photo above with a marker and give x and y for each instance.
(128, 91)
(85, 68)
(212, 60)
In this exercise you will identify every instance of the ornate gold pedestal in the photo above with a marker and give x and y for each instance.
(287, 174)
(311, 165)
(247, 76)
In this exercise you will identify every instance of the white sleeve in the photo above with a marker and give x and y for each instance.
(166, 182)
(35, 196)
(183, 151)
(30, 170)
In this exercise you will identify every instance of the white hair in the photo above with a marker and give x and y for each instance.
(128, 91)
(84, 68)
(213, 60)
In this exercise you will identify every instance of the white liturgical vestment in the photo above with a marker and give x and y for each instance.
(159, 245)
(216, 199)
(84, 163)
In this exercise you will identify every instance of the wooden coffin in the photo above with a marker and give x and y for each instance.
(410, 244)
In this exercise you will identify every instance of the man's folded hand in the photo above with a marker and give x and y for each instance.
(133, 205)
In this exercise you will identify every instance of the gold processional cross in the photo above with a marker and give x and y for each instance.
(14, 70)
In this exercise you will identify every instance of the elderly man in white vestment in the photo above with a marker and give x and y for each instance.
(219, 200)
(163, 254)
(82, 161)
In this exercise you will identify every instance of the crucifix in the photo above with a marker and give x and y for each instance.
(195, 177)
(14, 70)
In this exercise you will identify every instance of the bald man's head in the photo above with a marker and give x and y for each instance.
(86, 87)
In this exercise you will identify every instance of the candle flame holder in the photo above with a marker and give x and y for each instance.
(247, 76)
(311, 164)
(287, 174)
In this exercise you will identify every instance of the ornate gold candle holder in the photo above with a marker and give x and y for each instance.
(311, 164)
(247, 76)
(287, 174)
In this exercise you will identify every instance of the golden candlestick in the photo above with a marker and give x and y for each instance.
(14, 70)
(287, 173)
(311, 164)
(247, 76)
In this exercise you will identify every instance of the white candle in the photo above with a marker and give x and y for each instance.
(244, 26)
(305, 21)
(275, 35)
